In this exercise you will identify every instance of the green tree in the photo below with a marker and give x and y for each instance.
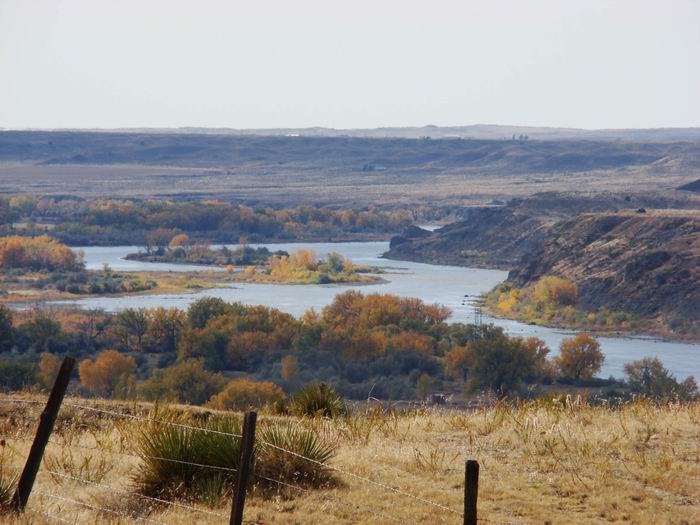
(501, 363)
(203, 310)
(42, 333)
(7, 334)
(131, 326)
(648, 377)
(184, 382)
(423, 386)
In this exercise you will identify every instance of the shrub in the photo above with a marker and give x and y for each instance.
(242, 394)
(8, 480)
(276, 464)
(16, 376)
(173, 457)
(186, 382)
(159, 443)
(318, 400)
(108, 374)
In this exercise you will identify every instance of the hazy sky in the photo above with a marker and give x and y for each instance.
(298, 63)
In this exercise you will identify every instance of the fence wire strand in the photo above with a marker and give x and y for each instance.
(131, 493)
(97, 508)
(334, 468)
(328, 497)
(320, 463)
(51, 516)
(126, 454)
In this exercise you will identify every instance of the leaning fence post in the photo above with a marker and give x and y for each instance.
(43, 432)
(247, 445)
(471, 490)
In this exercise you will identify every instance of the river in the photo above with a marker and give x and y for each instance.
(451, 286)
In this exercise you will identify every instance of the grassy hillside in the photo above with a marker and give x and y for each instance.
(558, 461)
(347, 170)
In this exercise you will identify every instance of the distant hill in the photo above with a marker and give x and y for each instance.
(691, 186)
(499, 236)
(341, 170)
(476, 131)
(349, 154)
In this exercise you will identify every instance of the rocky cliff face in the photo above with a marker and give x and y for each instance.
(498, 237)
(644, 263)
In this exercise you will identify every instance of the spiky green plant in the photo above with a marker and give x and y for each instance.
(8, 480)
(169, 453)
(275, 463)
(318, 400)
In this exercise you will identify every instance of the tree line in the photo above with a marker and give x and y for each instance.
(393, 347)
(129, 221)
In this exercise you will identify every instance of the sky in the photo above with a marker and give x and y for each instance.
(356, 64)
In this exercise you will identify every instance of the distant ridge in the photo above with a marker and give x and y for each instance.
(691, 186)
(476, 131)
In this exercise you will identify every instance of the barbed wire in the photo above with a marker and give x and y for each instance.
(132, 493)
(98, 508)
(499, 522)
(151, 420)
(331, 498)
(366, 480)
(127, 454)
(51, 516)
(301, 456)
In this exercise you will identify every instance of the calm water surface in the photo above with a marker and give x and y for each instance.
(452, 286)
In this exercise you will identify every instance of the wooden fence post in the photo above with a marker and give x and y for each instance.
(247, 445)
(43, 432)
(471, 491)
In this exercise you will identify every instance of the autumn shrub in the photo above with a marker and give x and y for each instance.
(48, 369)
(37, 253)
(109, 374)
(555, 290)
(243, 394)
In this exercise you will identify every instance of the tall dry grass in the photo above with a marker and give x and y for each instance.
(562, 461)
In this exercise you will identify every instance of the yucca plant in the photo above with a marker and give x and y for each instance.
(277, 464)
(8, 480)
(318, 400)
(168, 453)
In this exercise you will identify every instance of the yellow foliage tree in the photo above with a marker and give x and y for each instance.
(243, 394)
(580, 357)
(459, 361)
(554, 290)
(290, 368)
(108, 374)
(48, 369)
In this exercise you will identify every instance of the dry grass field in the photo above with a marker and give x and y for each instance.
(558, 462)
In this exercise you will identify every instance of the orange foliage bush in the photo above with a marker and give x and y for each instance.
(242, 394)
(37, 253)
(48, 369)
(554, 289)
(108, 374)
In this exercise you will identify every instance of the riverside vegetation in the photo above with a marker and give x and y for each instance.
(36, 269)
(104, 222)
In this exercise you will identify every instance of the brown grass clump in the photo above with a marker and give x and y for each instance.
(561, 460)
